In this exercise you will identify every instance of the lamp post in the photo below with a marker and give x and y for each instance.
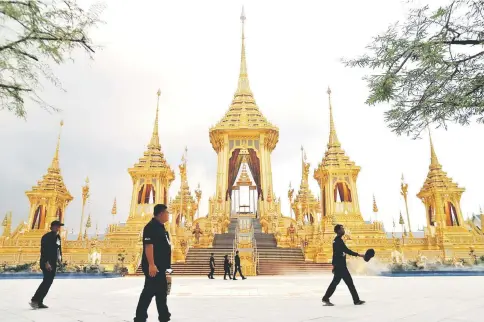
(85, 196)
(290, 195)
(404, 192)
(198, 195)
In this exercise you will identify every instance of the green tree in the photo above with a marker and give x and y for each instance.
(34, 33)
(430, 68)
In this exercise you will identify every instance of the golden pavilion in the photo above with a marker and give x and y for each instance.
(244, 214)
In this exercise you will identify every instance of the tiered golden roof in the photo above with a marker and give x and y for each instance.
(52, 181)
(153, 158)
(335, 156)
(243, 113)
(437, 179)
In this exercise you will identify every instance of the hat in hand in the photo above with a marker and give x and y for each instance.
(370, 253)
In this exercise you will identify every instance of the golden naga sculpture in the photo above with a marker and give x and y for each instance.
(244, 140)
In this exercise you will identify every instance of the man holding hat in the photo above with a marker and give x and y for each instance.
(340, 270)
(50, 256)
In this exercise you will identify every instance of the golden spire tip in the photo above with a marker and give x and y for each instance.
(329, 91)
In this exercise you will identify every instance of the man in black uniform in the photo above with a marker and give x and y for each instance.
(50, 255)
(227, 267)
(237, 266)
(212, 267)
(340, 270)
(156, 262)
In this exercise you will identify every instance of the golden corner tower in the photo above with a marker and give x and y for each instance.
(48, 202)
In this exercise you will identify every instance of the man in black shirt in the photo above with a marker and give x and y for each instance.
(340, 270)
(156, 262)
(237, 266)
(50, 255)
(227, 267)
(212, 267)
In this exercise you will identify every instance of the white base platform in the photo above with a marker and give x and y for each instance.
(281, 299)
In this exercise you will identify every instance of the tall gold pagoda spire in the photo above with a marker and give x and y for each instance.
(55, 161)
(153, 157)
(335, 156)
(333, 137)
(434, 161)
(243, 112)
(155, 138)
(243, 85)
(53, 179)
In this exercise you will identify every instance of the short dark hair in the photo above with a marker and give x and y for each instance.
(237, 252)
(159, 208)
(337, 228)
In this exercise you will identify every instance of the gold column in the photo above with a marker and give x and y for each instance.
(404, 192)
(85, 196)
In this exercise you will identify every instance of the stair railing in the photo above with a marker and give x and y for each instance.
(256, 257)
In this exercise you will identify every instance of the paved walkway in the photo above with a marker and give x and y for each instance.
(273, 299)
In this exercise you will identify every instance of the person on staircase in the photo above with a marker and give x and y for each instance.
(340, 270)
(212, 267)
(237, 266)
(227, 266)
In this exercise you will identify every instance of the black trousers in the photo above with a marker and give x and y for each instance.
(45, 285)
(238, 269)
(157, 287)
(227, 271)
(212, 270)
(341, 274)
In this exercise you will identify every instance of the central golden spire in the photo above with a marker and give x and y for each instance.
(434, 162)
(55, 161)
(243, 112)
(333, 138)
(155, 138)
(243, 87)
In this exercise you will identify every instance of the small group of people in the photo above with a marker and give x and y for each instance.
(156, 265)
(227, 267)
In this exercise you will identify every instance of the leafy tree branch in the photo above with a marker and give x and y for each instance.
(430, 68)
(34, 33)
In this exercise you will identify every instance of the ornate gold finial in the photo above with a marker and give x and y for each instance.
(88, 223)
(434, 162)
(400, 221)
(333, 138)
(55, 160)
(243, 86)
(155, 139)
(114, 210)
(375, 208)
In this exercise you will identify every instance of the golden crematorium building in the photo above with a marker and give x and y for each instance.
(244, 214)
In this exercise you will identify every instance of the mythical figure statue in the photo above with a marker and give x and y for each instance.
(197, 232)
(291, 231)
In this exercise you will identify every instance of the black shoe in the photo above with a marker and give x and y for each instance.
(43, 306)
(208, 276)
(360, 302)
(34, 305)
(235, 279)
(244, 278)
(327, 303)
